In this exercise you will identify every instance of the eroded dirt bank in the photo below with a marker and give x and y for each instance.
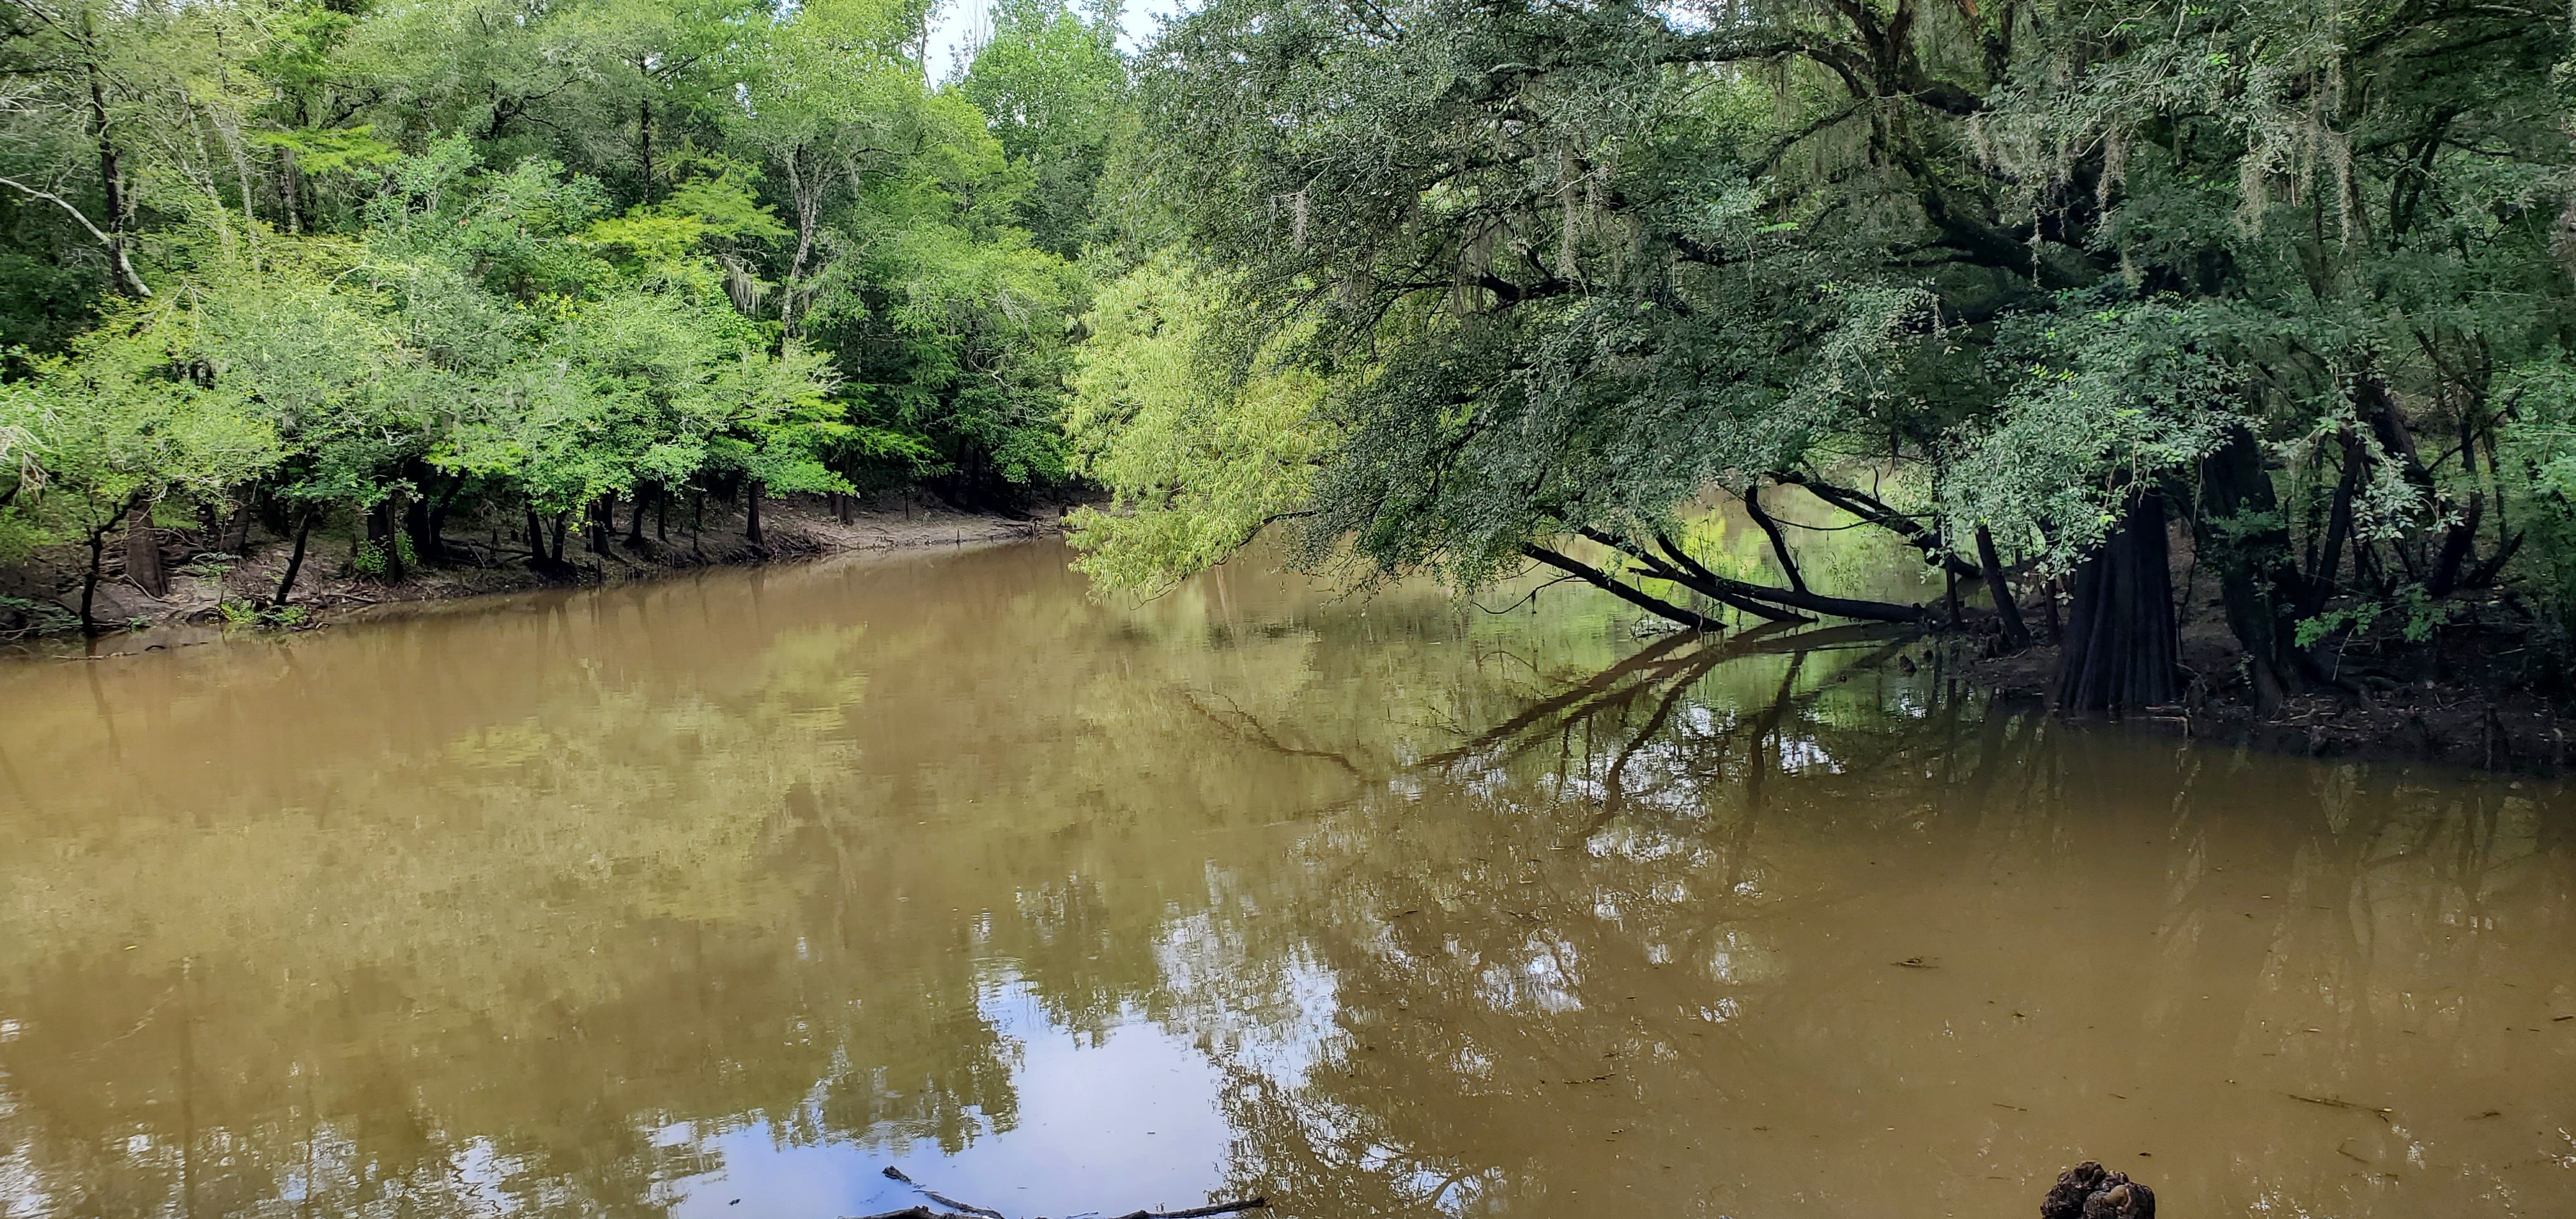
(203, 586)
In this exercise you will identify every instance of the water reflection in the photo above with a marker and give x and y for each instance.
(731, 893)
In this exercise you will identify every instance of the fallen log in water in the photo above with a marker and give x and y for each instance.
(2086, 1191)
(962, 1210)
(1222, 1208)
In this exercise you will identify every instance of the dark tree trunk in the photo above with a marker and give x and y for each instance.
(2016, 633)
(90, 577)
(2121, 651)
(1869, 508)
(380, 534)
(635, 526)
(603, 519)
(2321, 578)
(751, 515)
(294, 558)
(2457, 546)
(2245, 539)
(1704, 582)
(1771, 530)
(1677, 566)
(536, 541)
(143, 554)
(236, 536)
(417, 526)
(662, 516)
(563, 525)
(1621, 589)
(438, 516)
(1949, 584)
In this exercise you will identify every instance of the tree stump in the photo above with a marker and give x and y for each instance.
(2090, 1191)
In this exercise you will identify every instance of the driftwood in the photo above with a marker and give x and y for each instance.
(1222, 1208)
(2086, 1191)
(963, 1210)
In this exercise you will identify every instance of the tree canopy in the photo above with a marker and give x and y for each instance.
(533, 260)
(2293, 275)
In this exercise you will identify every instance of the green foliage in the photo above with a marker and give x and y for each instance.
(1563, 271)
(1200, 461)
(342, 260)
(1054, 92)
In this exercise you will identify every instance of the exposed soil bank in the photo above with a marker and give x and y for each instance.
(204, 587)
(2478, 694)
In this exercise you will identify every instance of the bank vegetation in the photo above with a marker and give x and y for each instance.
(2102, 318)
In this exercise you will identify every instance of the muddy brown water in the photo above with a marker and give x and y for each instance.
(719, 897)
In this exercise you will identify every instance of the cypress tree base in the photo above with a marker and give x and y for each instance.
(2122, 650)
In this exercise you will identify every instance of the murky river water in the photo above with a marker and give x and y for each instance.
(718, 897)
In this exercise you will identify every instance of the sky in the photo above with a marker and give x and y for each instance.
(956, 21)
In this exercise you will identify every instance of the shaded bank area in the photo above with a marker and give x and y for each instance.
(167, 576)
(2475, 697)
(741, 888)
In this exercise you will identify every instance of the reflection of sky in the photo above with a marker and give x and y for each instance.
(1128, 1121)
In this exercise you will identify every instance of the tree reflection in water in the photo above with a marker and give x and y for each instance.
(564, 906)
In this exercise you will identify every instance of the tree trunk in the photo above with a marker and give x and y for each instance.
(1703, 581)
(536, 541)
(417, 526)
(2457, 545)
(2016, 633)
(295, 558)
(635, 526)
(380, 535)
(603, 519)
(1869, 508)
(111, 172)
(644, 143)
(2246, 541)
(1622, 590)
(1949, 583)
(2320, 584)
(662, 516)
(90, 577)
(236, 537)
(1779, 542)
(2121, 652)
(751, 517)
(143, 555)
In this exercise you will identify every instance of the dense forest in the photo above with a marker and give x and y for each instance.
(2097, 313)
(382, 268)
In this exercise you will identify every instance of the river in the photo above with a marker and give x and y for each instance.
(718, 897)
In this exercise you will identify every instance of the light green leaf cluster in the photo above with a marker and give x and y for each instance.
(1199, 460)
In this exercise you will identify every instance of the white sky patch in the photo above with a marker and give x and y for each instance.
(958, 24)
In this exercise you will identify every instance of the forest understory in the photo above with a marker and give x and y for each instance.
(200, 583)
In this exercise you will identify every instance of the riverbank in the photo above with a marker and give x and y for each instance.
(2478, 693)
(204, 586)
